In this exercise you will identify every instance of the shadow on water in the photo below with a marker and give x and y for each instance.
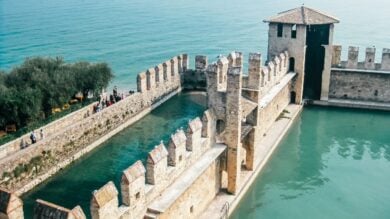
(328, 157)
(74, 185)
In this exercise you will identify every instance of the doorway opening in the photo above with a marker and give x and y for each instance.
(293, 95)
(317, 35)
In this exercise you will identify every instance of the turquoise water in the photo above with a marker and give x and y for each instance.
(132, 35)
(326, 168)
(334, 163)
(74, 185)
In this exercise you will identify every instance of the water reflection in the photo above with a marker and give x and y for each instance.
(329, 156)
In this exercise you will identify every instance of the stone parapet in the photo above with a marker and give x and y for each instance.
(353, 59)
(50, 129)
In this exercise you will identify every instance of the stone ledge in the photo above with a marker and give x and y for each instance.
(353, 104)
(276, 89)
(175, 190)
(368, 71)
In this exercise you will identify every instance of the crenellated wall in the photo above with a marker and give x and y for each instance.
(181, 178)
(355, 80)
(49, 130)
(366, 63)
(82, 133)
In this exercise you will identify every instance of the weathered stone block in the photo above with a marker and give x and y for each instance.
(141, 82)
(156, 164)
(177, 148)
(369, 62)
(336, 55)
(159, 74)
(133, 188)
(194, 136)
(353, 55)
(104, 203)
(151, 78)
(167, 71)
(223, 64)
(235, 59)
(385, 65)
(254, 70)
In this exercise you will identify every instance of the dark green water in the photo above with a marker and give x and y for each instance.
(334, 163)
(74, 185)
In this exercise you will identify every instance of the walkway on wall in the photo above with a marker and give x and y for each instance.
(268, 144)
(177, 189)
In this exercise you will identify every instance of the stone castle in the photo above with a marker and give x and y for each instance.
(205, 170)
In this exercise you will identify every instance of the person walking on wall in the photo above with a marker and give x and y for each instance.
(33, 138)
(41, 134)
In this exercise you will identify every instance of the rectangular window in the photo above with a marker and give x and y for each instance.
(294, 31)
(280, 30)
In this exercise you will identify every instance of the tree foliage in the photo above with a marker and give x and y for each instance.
(29, 91)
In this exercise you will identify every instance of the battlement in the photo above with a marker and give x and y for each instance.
(78, 133)
(261, 78)
(162, 74)
(139, 186)
(353, 59)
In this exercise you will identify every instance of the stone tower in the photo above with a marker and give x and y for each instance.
(307, 35)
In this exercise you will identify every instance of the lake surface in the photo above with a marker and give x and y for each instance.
(133, 35)
(74, 185)
(334, 163)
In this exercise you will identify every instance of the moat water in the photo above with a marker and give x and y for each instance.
(74, 185)
(334, 163)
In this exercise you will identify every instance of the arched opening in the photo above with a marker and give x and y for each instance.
(291, 64)
(220, 126)
(293, 95)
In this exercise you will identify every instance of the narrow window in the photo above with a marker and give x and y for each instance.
(280, 30)
(192, 209)
(137, 195)
(294, 31)
(291, 67)
(180, 158)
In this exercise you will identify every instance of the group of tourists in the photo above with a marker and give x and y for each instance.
(104, 102)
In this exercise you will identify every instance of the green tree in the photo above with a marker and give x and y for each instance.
(30, 91)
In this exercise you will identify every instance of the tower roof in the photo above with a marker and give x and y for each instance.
(302, 15)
